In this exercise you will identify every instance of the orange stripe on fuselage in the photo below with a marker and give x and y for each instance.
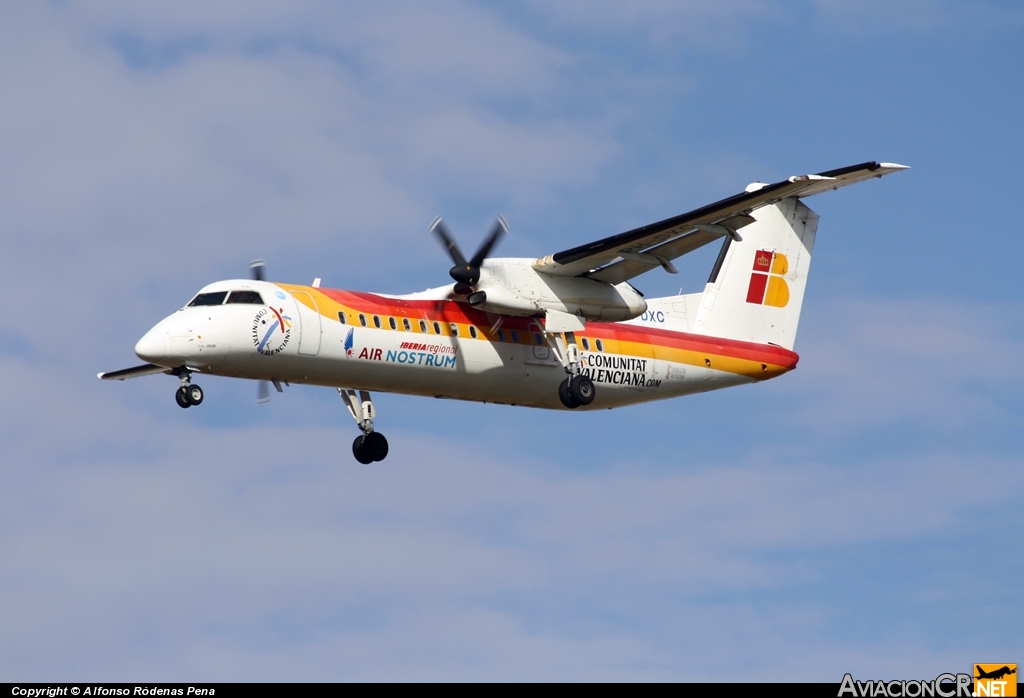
(757, 361)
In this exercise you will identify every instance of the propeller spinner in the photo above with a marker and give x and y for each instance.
(467, 273)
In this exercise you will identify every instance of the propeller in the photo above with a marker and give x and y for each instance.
(257, 267)
(467, 273)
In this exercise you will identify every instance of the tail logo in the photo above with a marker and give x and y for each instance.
(767, 287)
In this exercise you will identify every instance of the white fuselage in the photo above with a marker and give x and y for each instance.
(332, 338)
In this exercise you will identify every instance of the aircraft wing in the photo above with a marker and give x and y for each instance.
(649, 246)
(143, 370)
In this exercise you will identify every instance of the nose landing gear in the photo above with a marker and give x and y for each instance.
(187, 394)
(370, 446)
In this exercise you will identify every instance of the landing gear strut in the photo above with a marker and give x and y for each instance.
(577, 389)
(187, 393)
(370, 446)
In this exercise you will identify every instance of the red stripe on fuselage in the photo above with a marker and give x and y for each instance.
(453, 311)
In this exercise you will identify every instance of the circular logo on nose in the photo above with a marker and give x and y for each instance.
(271, 331)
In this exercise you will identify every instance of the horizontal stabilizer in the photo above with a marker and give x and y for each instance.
(125, 373)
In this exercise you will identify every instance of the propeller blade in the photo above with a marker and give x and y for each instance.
(441, 231)
(466, 274)
(263, 393)
(256, 267)
(499, 229)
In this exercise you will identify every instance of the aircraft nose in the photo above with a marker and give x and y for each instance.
(152, 347)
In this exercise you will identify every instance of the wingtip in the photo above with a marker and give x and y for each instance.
(893, 166)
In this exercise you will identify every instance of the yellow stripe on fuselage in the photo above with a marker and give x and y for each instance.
(716, 360)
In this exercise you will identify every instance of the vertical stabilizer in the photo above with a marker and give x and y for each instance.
(756, 290)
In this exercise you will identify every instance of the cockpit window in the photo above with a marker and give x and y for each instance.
(250, 297)
(215, 298)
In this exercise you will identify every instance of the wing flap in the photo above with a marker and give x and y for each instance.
(625, 270)
(660, 238)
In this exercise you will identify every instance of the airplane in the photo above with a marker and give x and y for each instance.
(995, 674)
(566, 331)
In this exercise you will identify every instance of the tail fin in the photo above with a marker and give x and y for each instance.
(757, 286)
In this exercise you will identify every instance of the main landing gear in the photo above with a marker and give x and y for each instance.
(187, 393)
(370, 446)
(577, 390)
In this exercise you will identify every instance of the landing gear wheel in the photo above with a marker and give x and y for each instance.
(376, 445)
(181, 398)
(371, 447)
(582, 390)
(194, 394)
(360, 451)
(566, 396)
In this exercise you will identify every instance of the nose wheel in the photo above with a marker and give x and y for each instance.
(187, 393)
(370, 446)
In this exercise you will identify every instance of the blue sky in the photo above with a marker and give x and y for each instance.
(860, 514)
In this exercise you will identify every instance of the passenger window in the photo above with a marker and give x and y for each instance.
(437, 328)
(392, 323)
(362, 319)
(376, 321)
(501, 335)
(341, 317)
(423, 326)
(406, 325)
(600, 345)
(538, 339)
(250, 297)
(586, 344)
(208, 299)
(472, 332)
(455, 329)
(515, 337)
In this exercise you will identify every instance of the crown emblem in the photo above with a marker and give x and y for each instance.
(767, 285)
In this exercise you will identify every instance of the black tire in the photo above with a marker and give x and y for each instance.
(181, 398)
(582, 390)
(360, 451)
(565, 396)
(194, 394)
(376, 446)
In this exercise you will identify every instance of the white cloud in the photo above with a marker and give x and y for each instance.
(116, 179)
(944, 364)
(690, 24)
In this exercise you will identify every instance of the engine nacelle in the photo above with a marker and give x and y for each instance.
(498, 299)
(513, 287)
